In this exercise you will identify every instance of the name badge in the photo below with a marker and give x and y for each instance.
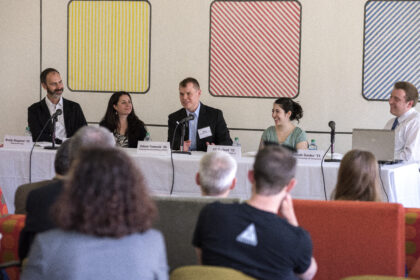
(309, 155)
(154, 148)
(234, 151)
(18, 142)
(204, 132)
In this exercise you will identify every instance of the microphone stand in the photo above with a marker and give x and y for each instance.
(181, 148)
(181, 151)
(332, 159)
(33, 146)
(53, 147)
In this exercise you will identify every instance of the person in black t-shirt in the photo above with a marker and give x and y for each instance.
(251, 237)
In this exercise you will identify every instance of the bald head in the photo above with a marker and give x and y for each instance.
(90, 136)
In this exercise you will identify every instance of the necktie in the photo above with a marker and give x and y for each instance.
(192, 134)
(394, 125)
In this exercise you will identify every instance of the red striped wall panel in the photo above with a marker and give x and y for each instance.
(255, 48)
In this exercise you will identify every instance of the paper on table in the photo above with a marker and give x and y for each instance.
(45, 144)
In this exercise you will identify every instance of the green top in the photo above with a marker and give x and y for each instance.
(297, 136)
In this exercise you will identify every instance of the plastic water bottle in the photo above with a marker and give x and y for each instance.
(28, 131)
(236, 143)
(147, 137)
(313, 145)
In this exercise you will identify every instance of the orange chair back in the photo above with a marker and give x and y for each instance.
(3, 205)
(354, 238)
(10, 228)
(412, 236)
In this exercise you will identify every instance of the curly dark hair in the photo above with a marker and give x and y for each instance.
(287, 105)
(111, 119)
(104, 196)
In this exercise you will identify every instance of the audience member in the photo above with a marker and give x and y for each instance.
(406, 123)
(358, 177)
(285, 110)
(39, 113)
(121, 120)
(104, 215)
(252, 237)
(208, 125)
(39, 201)
(61, 166)
(216, 176)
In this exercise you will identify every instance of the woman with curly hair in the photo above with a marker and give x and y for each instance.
(358, 177)
(104, 217)
(285, 110)
(121, 120)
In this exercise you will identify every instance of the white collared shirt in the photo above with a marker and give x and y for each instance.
(60, 128)
(407, 136)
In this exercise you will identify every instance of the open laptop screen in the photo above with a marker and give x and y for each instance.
(380, 142)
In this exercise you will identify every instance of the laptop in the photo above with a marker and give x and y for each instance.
(380, 142)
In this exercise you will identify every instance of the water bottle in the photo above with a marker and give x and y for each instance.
(236, 142)
(313, 145)
(28, 131)
(147, 137)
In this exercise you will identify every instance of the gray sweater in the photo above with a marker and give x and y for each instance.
(57, 254)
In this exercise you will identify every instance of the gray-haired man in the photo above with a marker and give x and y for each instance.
(217, 174)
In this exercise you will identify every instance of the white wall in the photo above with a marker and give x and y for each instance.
(331, 68)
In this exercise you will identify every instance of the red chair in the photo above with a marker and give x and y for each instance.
(10, 228)
(3, 205)
(412, 236)
(354, 238)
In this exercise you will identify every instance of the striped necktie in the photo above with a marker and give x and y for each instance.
(394, 125)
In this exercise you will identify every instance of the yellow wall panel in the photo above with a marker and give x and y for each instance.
(108, 46)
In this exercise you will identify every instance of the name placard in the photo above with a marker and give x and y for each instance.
(312, 155)
(234, 151)
(11, 141)
(154, 148)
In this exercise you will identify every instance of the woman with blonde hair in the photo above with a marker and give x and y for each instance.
(358, 177)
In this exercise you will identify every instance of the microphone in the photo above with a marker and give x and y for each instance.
(188, 118)
(54, 121)
(331, 124)
(56, 114)
(182, 123)
(54, 118)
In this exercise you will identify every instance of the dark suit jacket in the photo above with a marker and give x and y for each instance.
(38, 218)
(207, 116)
(22, 192)
(38, 115)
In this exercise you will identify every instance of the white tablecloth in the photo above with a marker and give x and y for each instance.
(401, 182)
